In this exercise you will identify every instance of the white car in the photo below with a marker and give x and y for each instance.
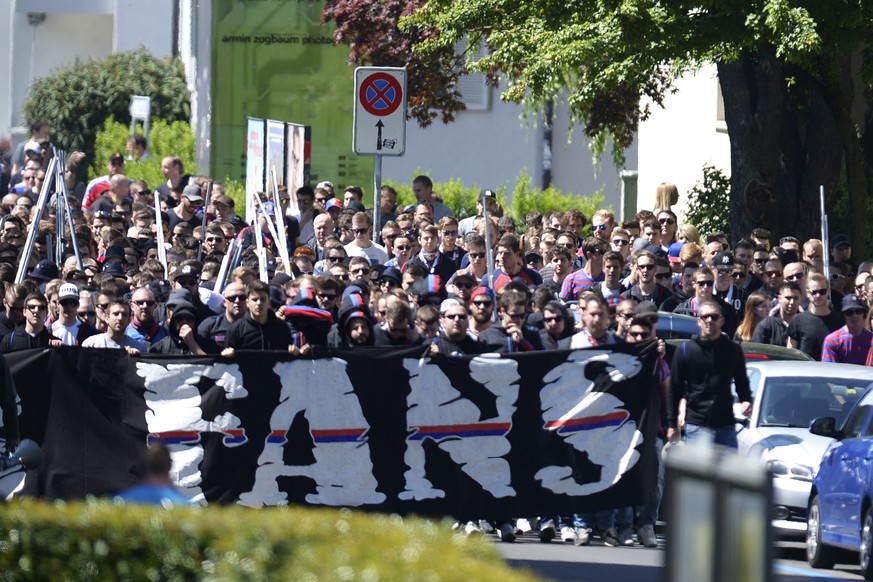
(788, 395)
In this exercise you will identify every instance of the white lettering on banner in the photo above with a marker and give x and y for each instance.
(343, 470)
(437, 411)
(176, 417)
(597, 424)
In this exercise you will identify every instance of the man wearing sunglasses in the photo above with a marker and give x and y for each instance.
(143, 325)
(362, 244)
(68, 328)
(215, 327)
(809, 329)
(702, 371)
(851, 343)
(647, 288)
(703, 285)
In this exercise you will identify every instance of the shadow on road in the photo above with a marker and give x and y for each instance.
(588, 571)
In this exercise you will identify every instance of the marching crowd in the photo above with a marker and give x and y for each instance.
(418, 277)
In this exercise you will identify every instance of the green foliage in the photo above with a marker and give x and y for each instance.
(236, 189)
(524, 198)
(164, 139)
(528, 199)
(102, 541)
(708, 203)
(76, 100)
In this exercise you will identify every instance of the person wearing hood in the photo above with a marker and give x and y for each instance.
(308, 323)
(453, 339)
(354, 326)
(183, 338)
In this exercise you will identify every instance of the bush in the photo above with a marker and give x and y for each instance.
(78, 99)
(462, 199)
(102, 541)
(164, 139)
(709, 203)
(527, 199)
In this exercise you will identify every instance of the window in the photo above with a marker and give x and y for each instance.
(475, 92)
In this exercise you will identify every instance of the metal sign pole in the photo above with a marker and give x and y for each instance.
(377, 186)
(825, 238)
(162, 248)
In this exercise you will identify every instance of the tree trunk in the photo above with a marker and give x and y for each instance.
(784, 145)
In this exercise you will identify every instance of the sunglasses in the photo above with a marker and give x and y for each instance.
(710, 317)
(795, 277)
(760, 261)
(327, 296)
(361, 270)
(663, 276)
(360, 230)
(555, 319)
(86, 314)
(69, 302)
(235, 298)
(482, 304)
(668, 221)
(477, 255)
(599, 227)
(638, 334)
(388, 283)
(35, 307)
(403, 247)
(738, 275)
(818, 292)
(456, 316)
(186, 282)
(774, 273)
(144, 303)
(450, 233)
(620, 242)
(854, 312)
(626, 315)
(335, 259)
(704, 283)
(466, 286)
(647, 267)
(214, 239)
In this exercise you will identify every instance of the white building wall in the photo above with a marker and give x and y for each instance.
(678, 140)
(71, 31)
(492, 147)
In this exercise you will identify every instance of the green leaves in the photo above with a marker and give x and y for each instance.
(77, 100)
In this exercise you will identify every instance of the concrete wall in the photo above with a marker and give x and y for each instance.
(677, 141)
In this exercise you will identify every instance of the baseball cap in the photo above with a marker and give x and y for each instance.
(724, 259)
(487, 193)
(393, 274)
(673, 251)
(325, 184)
(840, 240)
(223, 199)
(33, 146)
(448, 304)
(333, 203)
(45, 270)
(462, 274)
(68, 291)
(481, 290)
(192, 192)
(186, 271)
(853, 302)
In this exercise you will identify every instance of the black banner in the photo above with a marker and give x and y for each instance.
(521, 434)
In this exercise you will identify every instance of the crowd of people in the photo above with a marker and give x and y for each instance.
(420, 277)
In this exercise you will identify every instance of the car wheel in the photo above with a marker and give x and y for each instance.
(866, 559)
(817, 554)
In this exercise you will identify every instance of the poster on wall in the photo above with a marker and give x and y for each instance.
(255, 143)
(275, 153)
(278, 61)
(299, 153)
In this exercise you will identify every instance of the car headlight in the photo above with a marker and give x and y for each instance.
(786, 470)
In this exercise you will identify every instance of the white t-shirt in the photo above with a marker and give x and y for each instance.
(374, 253)
(67, 334)
(102, 340)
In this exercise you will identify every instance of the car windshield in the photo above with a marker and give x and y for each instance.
(795, 402)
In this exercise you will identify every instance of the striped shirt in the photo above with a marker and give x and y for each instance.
(577, 283)
(842, 346)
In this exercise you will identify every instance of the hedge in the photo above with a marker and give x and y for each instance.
(99, 540)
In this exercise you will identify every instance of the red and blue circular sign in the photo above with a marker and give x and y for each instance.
(380, 94)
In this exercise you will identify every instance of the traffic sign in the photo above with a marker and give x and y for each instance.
(380, 111)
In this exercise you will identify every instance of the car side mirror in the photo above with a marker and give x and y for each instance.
(825, 426)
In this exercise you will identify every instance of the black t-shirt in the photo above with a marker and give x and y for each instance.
(808, 331)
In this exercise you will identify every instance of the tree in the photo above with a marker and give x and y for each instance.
(370, 28)
(793, 78)
(77, 100)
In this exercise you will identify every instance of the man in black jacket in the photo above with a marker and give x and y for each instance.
(260, 329)
(33, 334)
(702, 370)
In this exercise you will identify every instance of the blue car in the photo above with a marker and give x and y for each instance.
(840, 511)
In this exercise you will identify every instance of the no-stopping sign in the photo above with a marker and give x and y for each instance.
(380, 111)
